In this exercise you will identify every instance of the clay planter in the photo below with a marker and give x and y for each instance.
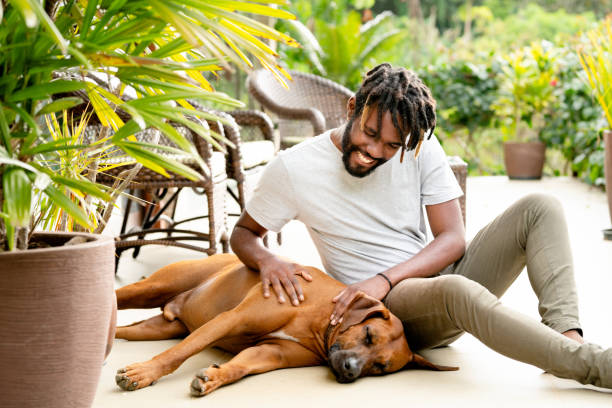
(607, 136)
(56, 316)
(524, 160)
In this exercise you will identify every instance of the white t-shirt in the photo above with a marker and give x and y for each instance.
(360, 226)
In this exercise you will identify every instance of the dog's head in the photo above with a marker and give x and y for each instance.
(370, 341)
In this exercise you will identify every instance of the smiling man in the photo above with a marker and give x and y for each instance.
(361, 189)
(359, 161)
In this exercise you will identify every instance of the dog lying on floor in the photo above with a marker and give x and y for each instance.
(217, 301)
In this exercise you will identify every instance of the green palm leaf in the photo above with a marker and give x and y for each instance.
(83, 186)
(59, 105)
(17, 189)
(46, 90)
(61, 200)
(155, 51)
(158, 162)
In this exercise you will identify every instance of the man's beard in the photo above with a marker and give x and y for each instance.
(348, 148)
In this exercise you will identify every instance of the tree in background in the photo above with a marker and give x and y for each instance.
(337, 43)
(444, 12)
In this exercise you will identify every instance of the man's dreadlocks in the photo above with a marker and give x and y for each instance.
(401, 93)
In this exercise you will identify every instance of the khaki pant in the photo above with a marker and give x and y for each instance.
(464, 298)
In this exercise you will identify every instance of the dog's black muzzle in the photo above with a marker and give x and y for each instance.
(345, 365)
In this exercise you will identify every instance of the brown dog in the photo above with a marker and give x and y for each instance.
(217, 301)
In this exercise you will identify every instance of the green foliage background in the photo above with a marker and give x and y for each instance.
(465, 68)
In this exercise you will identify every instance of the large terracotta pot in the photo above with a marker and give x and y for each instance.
(56, 318)
(607, 136)
(524, 160)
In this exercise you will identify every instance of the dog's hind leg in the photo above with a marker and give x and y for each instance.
(169, 281)
(228, 324)
(155, 328)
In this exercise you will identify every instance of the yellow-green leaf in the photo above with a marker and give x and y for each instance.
(61, 200)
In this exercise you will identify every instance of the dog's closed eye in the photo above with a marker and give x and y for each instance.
(369, 337)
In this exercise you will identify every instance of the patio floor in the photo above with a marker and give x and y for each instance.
(484, 379)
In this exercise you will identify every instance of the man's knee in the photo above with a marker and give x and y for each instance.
(459, 291)
(541, 204)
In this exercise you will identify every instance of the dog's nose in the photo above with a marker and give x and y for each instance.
(351, 368)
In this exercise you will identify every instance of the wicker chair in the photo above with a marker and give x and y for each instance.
(313, 105)
(255, 144)
(309, 107)
(163, 192)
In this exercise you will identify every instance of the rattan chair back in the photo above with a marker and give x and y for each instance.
(310, 106)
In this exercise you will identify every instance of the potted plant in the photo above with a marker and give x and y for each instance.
(57, 287)
(526, 92)
(596, 60)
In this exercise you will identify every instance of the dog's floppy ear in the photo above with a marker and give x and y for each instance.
(362, 308)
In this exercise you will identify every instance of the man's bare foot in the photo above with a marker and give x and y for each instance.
(574, 335)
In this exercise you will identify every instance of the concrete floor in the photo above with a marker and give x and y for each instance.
(485, 378)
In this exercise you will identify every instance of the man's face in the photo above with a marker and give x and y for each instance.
(363, 150)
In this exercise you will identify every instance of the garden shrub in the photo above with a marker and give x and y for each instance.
(469, 77)
(465, 92)
(573, 125)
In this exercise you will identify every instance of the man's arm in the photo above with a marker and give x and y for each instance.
(247, 244)
(448, 246)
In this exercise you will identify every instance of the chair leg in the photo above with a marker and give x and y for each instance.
(151, 218)
(126, 213)
(233, 195)
(170, 220)
(241, 195)
(225, 243)
(118, 252)
(145, 222)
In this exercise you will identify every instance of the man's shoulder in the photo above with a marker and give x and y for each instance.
(431, 149)
(314, 148)
(431, 142)
(321, 141)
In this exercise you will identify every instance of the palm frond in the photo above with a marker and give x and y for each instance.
(135, 65)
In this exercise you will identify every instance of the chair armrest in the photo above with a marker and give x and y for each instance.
(260, 120)
(312, 115)
(231, 132)
(316, 119)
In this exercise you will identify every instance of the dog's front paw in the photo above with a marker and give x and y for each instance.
(136, 376)
(205, 381)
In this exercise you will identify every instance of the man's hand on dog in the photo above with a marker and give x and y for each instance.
(374, 286)
(281, 275)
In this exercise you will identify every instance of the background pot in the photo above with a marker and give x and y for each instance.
(56, 318)
(524, 160)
